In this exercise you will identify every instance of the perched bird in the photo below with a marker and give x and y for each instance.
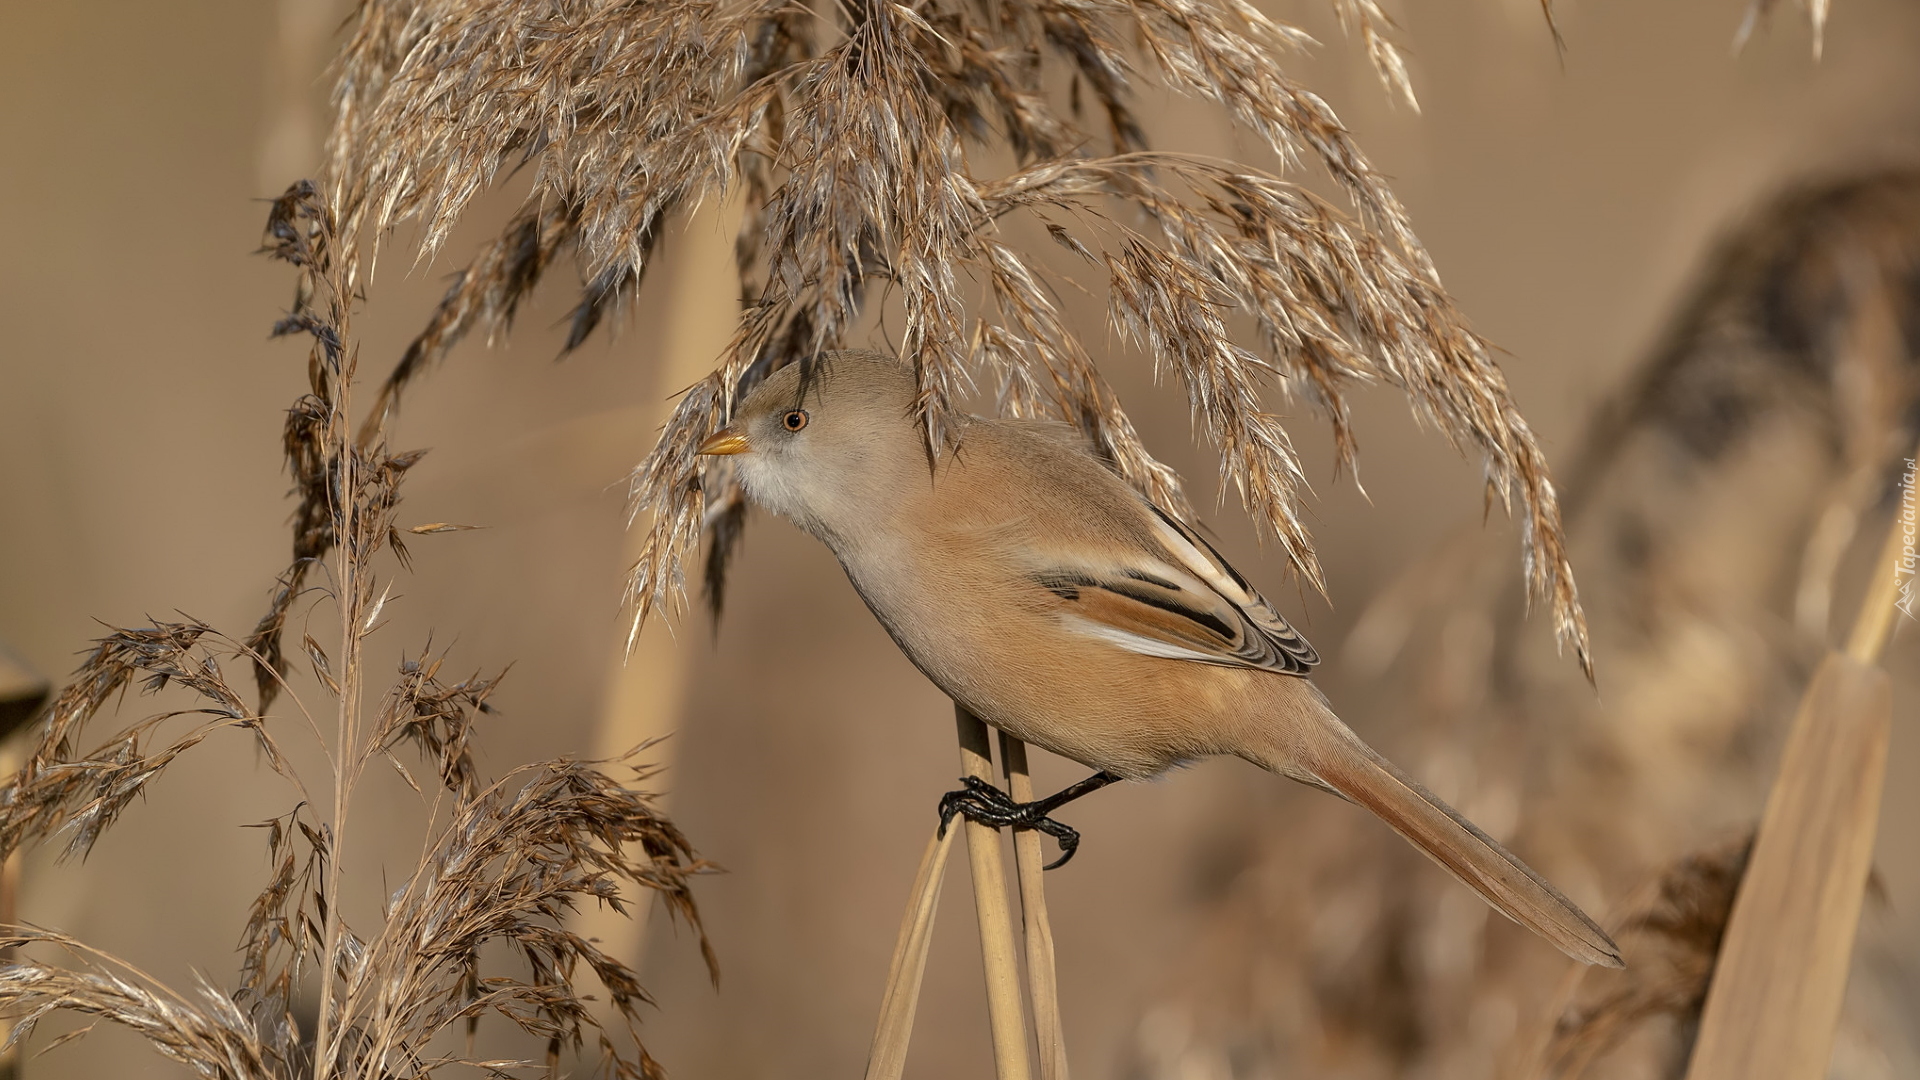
(1044, 594)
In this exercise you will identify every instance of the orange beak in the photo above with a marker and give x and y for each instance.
(724, 441)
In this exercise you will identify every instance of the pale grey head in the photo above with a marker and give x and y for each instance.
(830, 450)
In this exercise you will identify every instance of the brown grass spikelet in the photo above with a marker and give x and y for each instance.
(438, 718)
(510, 866)
(1366, 18)
(857, 135)
(65, 788)
(209, 1034)
(484, 297)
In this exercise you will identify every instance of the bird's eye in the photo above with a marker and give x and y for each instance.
(794, 420)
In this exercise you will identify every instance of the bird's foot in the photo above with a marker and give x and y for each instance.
(982, 802)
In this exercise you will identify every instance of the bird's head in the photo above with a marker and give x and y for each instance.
(828, 447)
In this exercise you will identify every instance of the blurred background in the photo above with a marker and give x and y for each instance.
(1695, 353)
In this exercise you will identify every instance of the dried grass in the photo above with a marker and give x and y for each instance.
(856, 134)
(507, 861)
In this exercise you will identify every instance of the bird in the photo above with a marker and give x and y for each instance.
(1041, 592)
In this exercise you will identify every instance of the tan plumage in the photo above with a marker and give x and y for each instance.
(1040, 591)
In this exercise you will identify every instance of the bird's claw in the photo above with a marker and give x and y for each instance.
(982, 802)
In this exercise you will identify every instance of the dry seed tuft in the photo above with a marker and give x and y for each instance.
(854, 133)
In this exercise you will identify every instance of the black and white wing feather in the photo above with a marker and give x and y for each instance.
(1181, 601)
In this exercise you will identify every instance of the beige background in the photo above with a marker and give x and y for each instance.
(1565, 201)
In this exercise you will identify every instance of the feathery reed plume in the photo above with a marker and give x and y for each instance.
(1372, 24)
(854, 132)
(209, 1034)
(507, 861)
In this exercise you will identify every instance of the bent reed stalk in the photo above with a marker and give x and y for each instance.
(1774, 1002)
(887, 1059)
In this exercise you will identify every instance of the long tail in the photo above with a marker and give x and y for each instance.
(1351, 768)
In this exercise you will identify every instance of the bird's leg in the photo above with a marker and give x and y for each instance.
(982, 802)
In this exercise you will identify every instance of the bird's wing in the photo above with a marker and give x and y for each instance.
(1180, 600)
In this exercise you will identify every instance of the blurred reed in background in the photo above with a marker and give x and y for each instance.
(1740, 483)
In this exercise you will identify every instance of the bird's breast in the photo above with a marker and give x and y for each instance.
(997, 644)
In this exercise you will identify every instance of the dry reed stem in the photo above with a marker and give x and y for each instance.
(1832, 536)
(647, 684)
(1774, 1003)
(1043, 984)
(1005, 1013)
(888, 1057)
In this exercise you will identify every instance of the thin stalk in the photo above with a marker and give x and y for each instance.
(888, 1057)
(997, 953)
(647, 682)
(1043, 986)
(347, 595)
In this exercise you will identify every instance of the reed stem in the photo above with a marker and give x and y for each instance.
(1043, 986)
(888, 1058)
(648, 676)
(997, 954)
(347, 599)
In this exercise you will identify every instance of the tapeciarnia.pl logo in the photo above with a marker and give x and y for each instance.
(1903, 567)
